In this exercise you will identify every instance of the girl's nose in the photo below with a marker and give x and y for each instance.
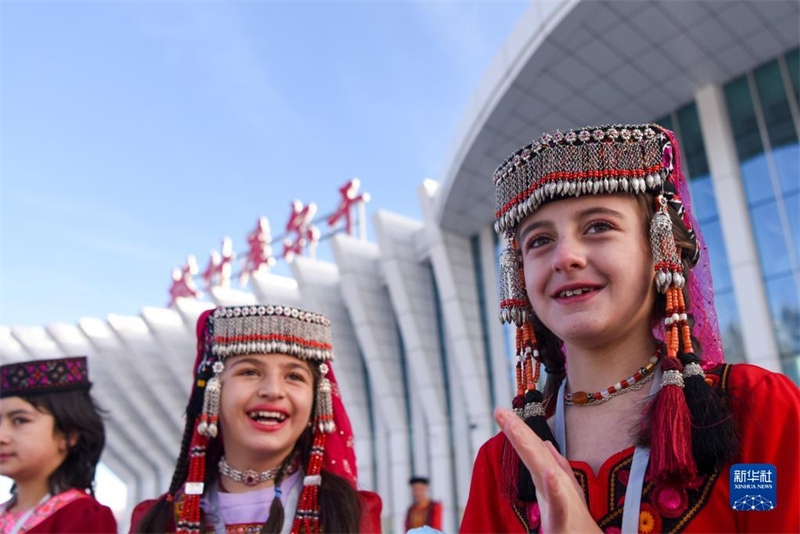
(271, 387)
(569, 254)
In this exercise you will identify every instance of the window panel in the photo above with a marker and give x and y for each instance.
(666, 122)
(743, 119)
(787, 164)
(793, 63)
(792, 203)
(717, 255)
(704, 204)
(757, 184)
(694, 151)
(729, 326)
(770, 240)
(785, 309)
(775, 105)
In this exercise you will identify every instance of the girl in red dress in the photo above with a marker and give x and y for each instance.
(268, 446)
(51, 437)
(640, 422)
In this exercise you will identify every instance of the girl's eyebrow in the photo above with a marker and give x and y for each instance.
(297, 366)
(599, 210)
(258, 363)
(21, 411)
(252, 361)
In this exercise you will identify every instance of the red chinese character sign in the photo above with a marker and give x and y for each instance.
(183, 285)
(300, 233)
(218, 270)
(350, 198)
(301, 237)
(259, 253)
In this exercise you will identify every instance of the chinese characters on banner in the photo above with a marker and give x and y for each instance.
(350, 198)
(300, 233)
(183, 281)
(301, 237)
(259, 251)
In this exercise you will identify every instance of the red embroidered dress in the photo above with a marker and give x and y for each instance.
(70, 511)
(429, 513)
(766, 408)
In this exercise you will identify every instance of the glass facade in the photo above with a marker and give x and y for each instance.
(762, 107)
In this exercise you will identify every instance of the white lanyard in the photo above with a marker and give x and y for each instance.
(21, 521)
(641, 457)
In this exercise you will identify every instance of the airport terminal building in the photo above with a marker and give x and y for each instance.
(421, 357)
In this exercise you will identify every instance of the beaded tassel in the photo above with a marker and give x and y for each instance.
(686, 333)
(210, 415)
(513, 299)
(518, 402)
(533, 402)
(189, 516)
(306, 520)
(671, 448)
(325, 422)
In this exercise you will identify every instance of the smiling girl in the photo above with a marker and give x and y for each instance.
(268, 445)
(51, 437)
(640, 422)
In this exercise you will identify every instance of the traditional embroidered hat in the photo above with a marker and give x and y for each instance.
(233, 331)
(621, 159)
(38, 377)
(605, 159)
(265, 330)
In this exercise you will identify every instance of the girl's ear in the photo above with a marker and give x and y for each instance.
(67, 441)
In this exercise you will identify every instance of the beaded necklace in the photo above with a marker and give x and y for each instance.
(632, 383)
(251, 477)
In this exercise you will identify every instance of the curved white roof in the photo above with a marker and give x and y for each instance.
(584, 62)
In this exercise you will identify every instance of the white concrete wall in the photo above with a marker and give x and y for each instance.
(375, 324)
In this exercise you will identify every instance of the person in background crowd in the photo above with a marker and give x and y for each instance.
(268, 446)
(423, 511)
(640, 424)
(51, 437)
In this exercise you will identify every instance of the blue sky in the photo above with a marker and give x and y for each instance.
(137, 133)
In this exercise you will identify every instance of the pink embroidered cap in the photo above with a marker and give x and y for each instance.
(37, 377)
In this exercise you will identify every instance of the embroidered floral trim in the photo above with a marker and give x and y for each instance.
(43, 511)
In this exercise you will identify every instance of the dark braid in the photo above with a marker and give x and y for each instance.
(182, 465)
(158, 518)
(274, 523)
(553, 358)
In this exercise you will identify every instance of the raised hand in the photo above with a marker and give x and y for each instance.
(561, 500)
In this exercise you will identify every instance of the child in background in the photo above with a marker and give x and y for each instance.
(268, 446)
(51, 437)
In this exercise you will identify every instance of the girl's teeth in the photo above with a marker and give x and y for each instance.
(267, 415)
(571, 292)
